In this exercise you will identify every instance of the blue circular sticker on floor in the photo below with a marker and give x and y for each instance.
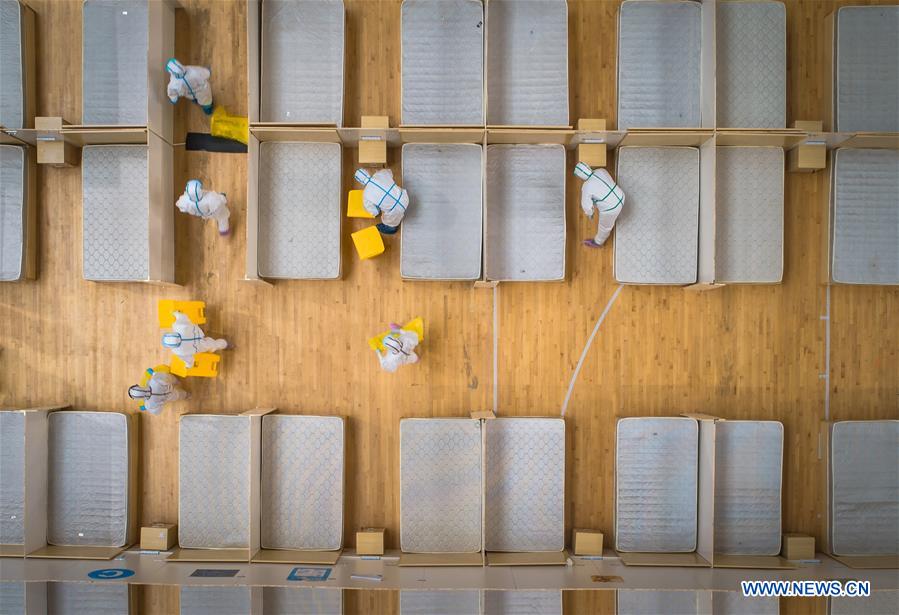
(108, 574)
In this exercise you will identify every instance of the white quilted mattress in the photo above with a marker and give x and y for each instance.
(657, 233)
(12, 478)
(114, 62)
(866, 216)
(13, 183)
(749, 237)
(527, 63)
(302, 482)
(657, 602)
(440, 485)
(83, 598)
(867, 82)
(525, 212)
(525, 474)
(214, 482)
(752, 64)
(878, 603)
(522, 602)
(299, 210)
(443, 233)
(446, 602)
(657, 465)
(301, 601)
(115, 212)
(215, 600)
(659, 45)
(734, 603)
(302, 61)
(87, 496)
(12, 94)
(865, 488)
(748, 474)
(12, 598)
(443, 62)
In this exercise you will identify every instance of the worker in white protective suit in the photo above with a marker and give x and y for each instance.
(599, 193)
(160, 389)
(191, 82)
(399, 348)
(383, 197)
(188, 339)
(205, 204)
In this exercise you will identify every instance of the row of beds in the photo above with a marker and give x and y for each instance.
(524, 231)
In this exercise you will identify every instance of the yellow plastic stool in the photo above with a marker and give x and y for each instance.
(206, 365)
(354, 207)
(148, 373)
(231, 127)
(376, 343)
(368, 242)
(195, 310)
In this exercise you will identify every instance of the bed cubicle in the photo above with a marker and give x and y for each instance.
(18, 211)
(477, 602)
(17, 65)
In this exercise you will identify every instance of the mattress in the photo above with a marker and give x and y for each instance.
(12, 94)
(305, 601)
(655, 602)
(13, 183)
(440, 485)
(447, 602)
(657, 463)
(865, 219)
(867, 83)
(525, 474)
(115, 206)
(864, 488)
(443, 233)
(114, 62)
(87, 496)
(522, 602)
(734, 603)
(93, 598)
(302, 61)
(12, 598)
(749, 234)
(215, 600)
(299, 210)
(659, 56)
(302, 482)
(443, 62)
(752, 64)
(214, 482)
(527, 63)
(657, 234)
(878, 603)
(525, 212)
(12, 478)
(748, 475)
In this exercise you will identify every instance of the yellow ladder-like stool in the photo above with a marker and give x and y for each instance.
(376, 343)
(195, 310)
(206, 365)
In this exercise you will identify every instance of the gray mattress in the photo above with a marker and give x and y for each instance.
(446, 602)
(87, 500)
(84, 598)
(302, 482)
(749, 237)
(12, 598)
(525, 212)
(214, 482)
(752, 64)
(440, 485)
(527, 63)
(114, 62)
(748, 471)
(299, 210)
(443, 62)
(215, 600)
(865, 220)
(443, 233)
(657, 465)
(13, 182)
(656, 602)
(12, 94)
(878, 603)
(734, 603)
(301, 601)
(302, 61)
(657, 235)
(525, 474)
(115, 207)
(659, 53)
(12, 478)
(522, 602)
(864, 488)
(867, 82)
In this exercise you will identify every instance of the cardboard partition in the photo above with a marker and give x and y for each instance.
(36, 597)
(441, 135)
(531, 558)
(688, 137)
(534, 135)
(703, 599)
(442, 559)
(786, 138)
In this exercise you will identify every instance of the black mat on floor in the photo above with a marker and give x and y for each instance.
(197, 141)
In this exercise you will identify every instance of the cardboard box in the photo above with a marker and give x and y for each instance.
(809, 125)
(372, 152)
(798, 547)
(586, 542)
(158, 536)
(58, 153)
(592, 154)
(370, 541)
(807, 158)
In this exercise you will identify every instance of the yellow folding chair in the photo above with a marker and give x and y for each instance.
(206, 365)
(376, 343)
(195, 310)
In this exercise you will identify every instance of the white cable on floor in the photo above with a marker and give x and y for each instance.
(580, 363)
(495, 350)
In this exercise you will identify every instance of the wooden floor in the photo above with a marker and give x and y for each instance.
(741, 352)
